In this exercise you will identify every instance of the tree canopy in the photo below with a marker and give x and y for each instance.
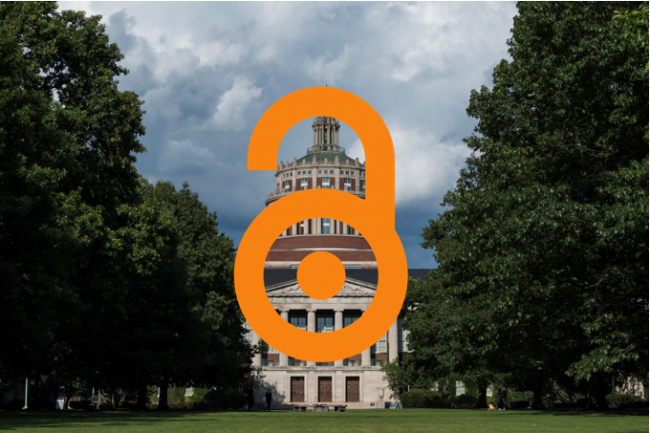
(542, 250)
(106, 279)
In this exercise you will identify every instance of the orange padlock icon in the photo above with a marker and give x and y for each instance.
(374, 217)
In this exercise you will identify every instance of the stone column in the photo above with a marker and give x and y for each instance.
(338, 324)
(284, 359)
(393, 343)
(365, 358)
(257, 358)
(345, 229)
(318, 222)
(311, 327)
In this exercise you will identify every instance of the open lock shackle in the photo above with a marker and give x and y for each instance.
(348, 108)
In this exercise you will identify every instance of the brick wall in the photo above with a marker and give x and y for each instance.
(321, 241)
(296, 256)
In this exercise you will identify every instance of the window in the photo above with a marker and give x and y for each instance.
(299, 322)
(380, 346)
(302, 227)
(287, 185)
(326, 182)
(320, 171)
(363, 185)
(331, 171)
(347, 184)
(324, 324)
(325, 226)
(362, 174)
(347, 172)
(249, 332)
(352, 173)
(402, 336)
(303, 183)
(341, 171)
(349, 320)
(266, 348)
(308, 171)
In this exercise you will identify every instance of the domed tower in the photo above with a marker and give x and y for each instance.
(324, 166)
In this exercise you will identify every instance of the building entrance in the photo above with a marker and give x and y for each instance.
(298, 389)
(325, 389)
(352, 389)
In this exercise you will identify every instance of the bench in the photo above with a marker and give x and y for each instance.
(320, 407)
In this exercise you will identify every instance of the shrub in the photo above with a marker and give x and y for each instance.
(417, 398)
(83, 404)
(127, 404)
(626, 401)
(225, 398)
(423, 398)
(176, 397)
(16, 404)
(465, 401)
(198, 394)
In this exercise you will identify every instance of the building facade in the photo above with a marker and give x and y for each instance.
(356, 381)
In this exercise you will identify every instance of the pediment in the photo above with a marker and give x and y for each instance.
(351, 289)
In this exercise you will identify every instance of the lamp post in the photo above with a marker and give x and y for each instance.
(26, 390)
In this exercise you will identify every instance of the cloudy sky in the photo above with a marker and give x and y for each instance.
(208, 71)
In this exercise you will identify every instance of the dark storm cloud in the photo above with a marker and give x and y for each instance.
(208, 71)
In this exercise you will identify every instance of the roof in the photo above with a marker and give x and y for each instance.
(320, 157)
(277, 276)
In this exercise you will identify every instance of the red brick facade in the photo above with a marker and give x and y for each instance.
(321, 241)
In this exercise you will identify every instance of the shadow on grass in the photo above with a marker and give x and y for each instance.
(582, 412)
(12, 421)
(15, 420)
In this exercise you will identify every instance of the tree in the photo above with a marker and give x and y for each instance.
(213, 350)
(544, 242)
(67, 143)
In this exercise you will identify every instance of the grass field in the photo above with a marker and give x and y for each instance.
(411, 420)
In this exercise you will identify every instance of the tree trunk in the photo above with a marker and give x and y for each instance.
(141, 404)
(537, 395)
(37, 388)
(163, 401)
(597, 392)
(552, 397)
(101, 399)
(502, 397)
(481, 402)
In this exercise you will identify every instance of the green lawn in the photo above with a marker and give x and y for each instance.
(410, 420)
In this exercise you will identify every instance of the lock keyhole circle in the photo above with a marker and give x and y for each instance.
(321, 275)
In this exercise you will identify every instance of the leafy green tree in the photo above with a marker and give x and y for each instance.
(543, 251)
(107, 280)
(213, 352)
(67, 143)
